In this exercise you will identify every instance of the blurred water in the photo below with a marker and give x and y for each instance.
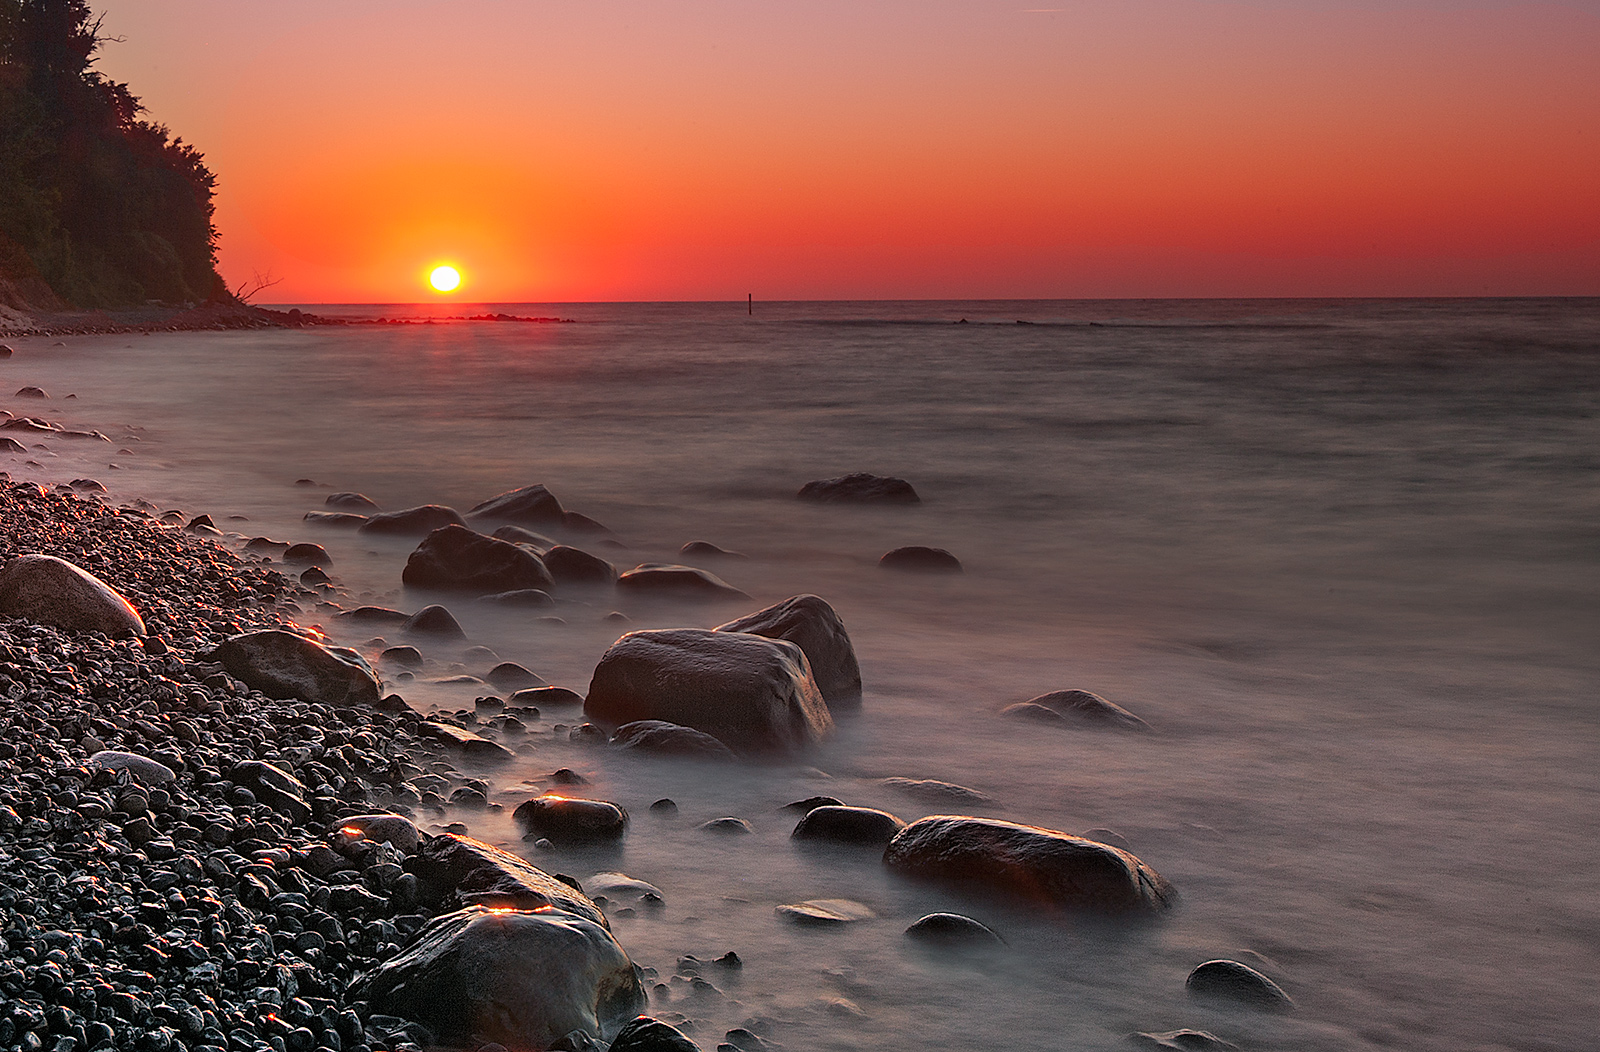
(1342, 555)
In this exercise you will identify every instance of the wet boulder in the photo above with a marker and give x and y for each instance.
(811, 624)
(1230, 981)
(468, 744)
(707, 550)
(413, 522)
(374, 616)
(951, 929)
(917, 558)
(752, 693)
(518, 535)
(859, 488)
(825, 913)
(357, 502)
(564, 820)
(848, 825)
(456, 559)
(524, 597)
(1082, 707)
(141, 768)
(670, 581)
(434, 621)
(651, 1035)
(508, 675)
(284, 665)
(1044, 866)
(455, 871)
(669, 739)
(530, 505)
(396, 830)
(306, 553)
(574, 566)
(337, 519)
(53, 591)
(520, 979)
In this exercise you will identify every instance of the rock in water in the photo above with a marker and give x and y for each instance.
(533, 505)
(473, 746)
(283, 665)
(1182, 1041)
(339, 519)
(518, 535)
(396, 830)
(669, 739)
(859, 488)
(576, 566)
(434, 621)
(825, 912)
(917, 558)
(457, 559)
(1239, 983)
(357, 502)
(951, 929)
(455, 871)
(52, 591)
(667, 581)
(848, 825)
(508, 675)
(305, 552)
(811, 624)
(521, 979)
(1081, 706)
(1042, 865)
(413, 522)
(571, 821)
(752, 693)
(651, 1035)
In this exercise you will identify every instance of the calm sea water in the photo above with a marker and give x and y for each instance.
(1341, 555)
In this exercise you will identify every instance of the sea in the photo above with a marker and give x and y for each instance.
(1343, 556)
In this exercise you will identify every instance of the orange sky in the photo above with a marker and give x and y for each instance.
(602, 150)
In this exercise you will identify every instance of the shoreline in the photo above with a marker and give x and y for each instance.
(15, 324)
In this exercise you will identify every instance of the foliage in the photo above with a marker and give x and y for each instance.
(110, 209)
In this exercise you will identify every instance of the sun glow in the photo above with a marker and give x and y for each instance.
(445, 278)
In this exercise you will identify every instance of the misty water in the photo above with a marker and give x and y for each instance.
(1342, 556)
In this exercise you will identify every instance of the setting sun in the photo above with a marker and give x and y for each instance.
(445, 279)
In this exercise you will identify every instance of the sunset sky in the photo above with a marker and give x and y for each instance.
(814, 149)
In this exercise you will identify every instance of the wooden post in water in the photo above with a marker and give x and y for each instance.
(750, 299)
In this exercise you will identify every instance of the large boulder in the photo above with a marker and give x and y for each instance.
(670, 581)
(848, 825)
(1047, 867)
(533, 505)
(455, 871)
(859, 488)
(810, 623)
(413, 522)
(457, 559)
(521, 979)
(752, 693)
(52, 591)
(284, 665)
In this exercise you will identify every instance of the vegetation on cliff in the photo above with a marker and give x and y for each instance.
(98, 206)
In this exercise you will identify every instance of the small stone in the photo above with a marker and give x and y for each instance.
(726, 826)
(1239, 983)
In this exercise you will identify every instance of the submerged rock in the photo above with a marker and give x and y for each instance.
(413, 522)
(340, 519)
(518, 535)
(357, 502)
(825, 912)
(52, 591)
(848, 825)
(375, 615)
(472, 746)
(668, 581)
(859, 488)
(454, 871)
(508, 675)
(1082, 707)
(521, 979)
(752, 693)
(434, 621)
(1044, 866)
(917, 558)
(283, 665)
(934, 790)
(951, 928)
(658, 736)
(574, 566)
(1182, 1041)
(1237, 983)
(572, 821)
(458, 559)
(305, 552)
(811, 624)
(520, 597)
(534, 505)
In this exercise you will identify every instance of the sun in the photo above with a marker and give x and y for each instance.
(445, 278)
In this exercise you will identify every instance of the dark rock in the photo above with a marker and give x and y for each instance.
(518, 535)
(1081, 706)
(357, 502)
(571, 821)
(11, 445)
(812, 625)
(314, 576)
(848, 825)
(577, 522)
(283, 665)
(951, 928)
(669, 738)
(405, 657)
(651, 1035)
(473, 746)
(52, 591)
(666, 581)
(932, 789)
(542, 697)
(1237, 983)
(811, 803)
(434, 621)
(707, 550)
(87, 486)
(665, 806)
(573, 566)
(375, 615)
(1107, 836)
(413, 522)
(1027, 710)
(457, 559)
(728, 826)
(859, 488)
(525, 980)
(520, 597)
(508, 675)
(916, 558)
(1182, 1041)
(1042, 865)
(533, 505)
(315, 554)
(619, 887)
(273, 786)
(825, 912)
(31, 392)
(396, 830)
(752, 693)
(338, 519)
(454, 871)
(147, 771)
